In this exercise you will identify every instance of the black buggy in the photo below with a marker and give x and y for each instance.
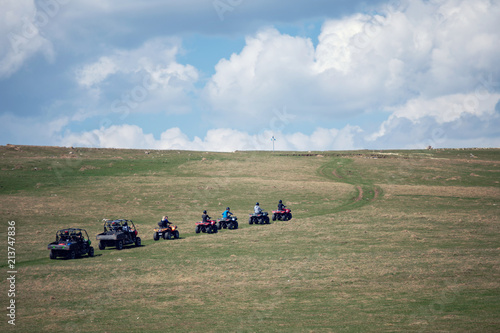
(71, 243)
(118, 233)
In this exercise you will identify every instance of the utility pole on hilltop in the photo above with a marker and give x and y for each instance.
(273, 139)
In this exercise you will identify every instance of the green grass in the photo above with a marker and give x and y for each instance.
(385, 241)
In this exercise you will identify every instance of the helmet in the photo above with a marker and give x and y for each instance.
(281, 201)
(227, 208)
(204, 212)
(257, 204)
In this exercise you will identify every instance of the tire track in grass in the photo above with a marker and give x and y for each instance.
(366, 191)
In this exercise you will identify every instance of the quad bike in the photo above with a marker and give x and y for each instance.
(118, 233)
(261, 218)
(71, 243)
(228, 223)
(282, 215)
(210, 227)
(165, 232)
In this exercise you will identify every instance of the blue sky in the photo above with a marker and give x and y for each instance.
(225, 75)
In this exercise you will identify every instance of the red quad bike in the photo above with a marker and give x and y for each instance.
(282, 215)
(209, 227)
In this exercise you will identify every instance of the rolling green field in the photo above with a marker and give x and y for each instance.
(380, 241)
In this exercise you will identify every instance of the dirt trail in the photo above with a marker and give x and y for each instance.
(331, 172)
(360, 194)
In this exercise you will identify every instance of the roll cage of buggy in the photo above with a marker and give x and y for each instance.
(71, 243)
(118, 233)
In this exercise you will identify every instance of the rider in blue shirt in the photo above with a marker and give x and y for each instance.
(226, 213)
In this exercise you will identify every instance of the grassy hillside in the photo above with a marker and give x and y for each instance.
(391, 241)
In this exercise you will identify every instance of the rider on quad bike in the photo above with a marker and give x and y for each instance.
(166, 230)
(257, 209)
(258, 217)
(283, 213)
(205, 218)
(228, 220)
(227, 213)
(164, 222)
(206, 225)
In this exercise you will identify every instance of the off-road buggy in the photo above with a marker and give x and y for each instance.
(209, 227)
(230, 222)
(165, 232)
(71, 243)
(282, 215)
(261, 218)
(118, 233)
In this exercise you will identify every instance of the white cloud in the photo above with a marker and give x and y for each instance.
(262, 75)
(361, 63)
(445, 109)
(221, 139)
(145, 79)
(97, 72)
(20, 38)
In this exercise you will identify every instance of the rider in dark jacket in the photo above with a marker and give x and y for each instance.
(281, 206)
(164, 222)
(205, 218)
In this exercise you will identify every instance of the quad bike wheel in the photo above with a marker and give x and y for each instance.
(250, 220)
(198, 229)
(72, 255)
(156, 236)
(176, 234)
(274, 217)
(119, 245)
(138, 241)
(91, 251)
(167, 235)
(52, 255)
(101, 246)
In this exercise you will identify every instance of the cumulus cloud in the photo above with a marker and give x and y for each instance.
(221, 139)
(149, 77)
(464, 132)
(444, 109)
(20, 37)
(362, 62)
(95, 73)
(460, 120)
(425, 67)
